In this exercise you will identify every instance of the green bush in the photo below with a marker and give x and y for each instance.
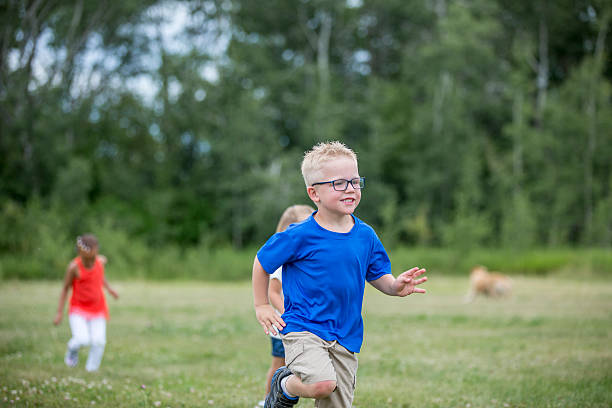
(131, 258)
(596, 262)
(221, 264)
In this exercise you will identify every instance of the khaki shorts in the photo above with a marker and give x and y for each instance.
(314, 359)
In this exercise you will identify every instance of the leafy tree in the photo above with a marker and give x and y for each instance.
(476, 122)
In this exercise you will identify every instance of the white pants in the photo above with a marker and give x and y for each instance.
(88, 332)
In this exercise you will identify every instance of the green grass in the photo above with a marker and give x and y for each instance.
(198, 344)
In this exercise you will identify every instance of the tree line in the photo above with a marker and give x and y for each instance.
(476, 122)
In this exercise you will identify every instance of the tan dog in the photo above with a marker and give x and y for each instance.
(483, 282)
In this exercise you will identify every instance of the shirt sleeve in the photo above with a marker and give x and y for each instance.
(380, 264)
(277, 251)
(278, 274)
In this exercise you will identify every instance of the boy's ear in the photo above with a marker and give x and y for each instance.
(312, 193)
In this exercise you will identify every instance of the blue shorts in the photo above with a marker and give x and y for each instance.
(277, 348)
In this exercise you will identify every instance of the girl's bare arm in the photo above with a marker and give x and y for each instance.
(71, 273)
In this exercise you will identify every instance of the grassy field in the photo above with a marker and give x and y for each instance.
(184, 344)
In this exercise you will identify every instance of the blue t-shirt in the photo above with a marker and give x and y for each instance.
(324, 274)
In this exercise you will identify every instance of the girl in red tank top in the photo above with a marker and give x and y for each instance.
(87, 294)
(88, 311)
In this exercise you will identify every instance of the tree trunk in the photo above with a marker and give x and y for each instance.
(440, 93)
(591, 114)
(543, 65)
(323, 40)
(517, 142)
(440, 8)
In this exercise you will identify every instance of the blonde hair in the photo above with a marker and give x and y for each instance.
(293, 214)
(321, 153)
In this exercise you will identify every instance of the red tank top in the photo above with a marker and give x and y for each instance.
(87, 291)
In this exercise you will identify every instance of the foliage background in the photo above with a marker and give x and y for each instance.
(174, 129)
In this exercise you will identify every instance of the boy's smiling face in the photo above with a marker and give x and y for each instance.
(330, 201)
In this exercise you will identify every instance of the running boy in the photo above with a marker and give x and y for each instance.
(293, 214)
(88, 311)
(326, 261)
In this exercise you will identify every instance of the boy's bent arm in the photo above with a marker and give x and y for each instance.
(384, 284)
(261, 280)
(404, 285)
(264, 312)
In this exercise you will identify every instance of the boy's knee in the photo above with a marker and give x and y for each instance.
(323, 389)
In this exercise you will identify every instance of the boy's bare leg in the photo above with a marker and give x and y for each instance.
(318, 390)
(345, 364)
(323, 370)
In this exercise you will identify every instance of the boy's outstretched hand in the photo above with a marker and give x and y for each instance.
(405, 284)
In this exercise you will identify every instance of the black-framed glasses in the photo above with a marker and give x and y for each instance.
(342, 184)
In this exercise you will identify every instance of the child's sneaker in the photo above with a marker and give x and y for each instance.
(71, 358)
(276, 398)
